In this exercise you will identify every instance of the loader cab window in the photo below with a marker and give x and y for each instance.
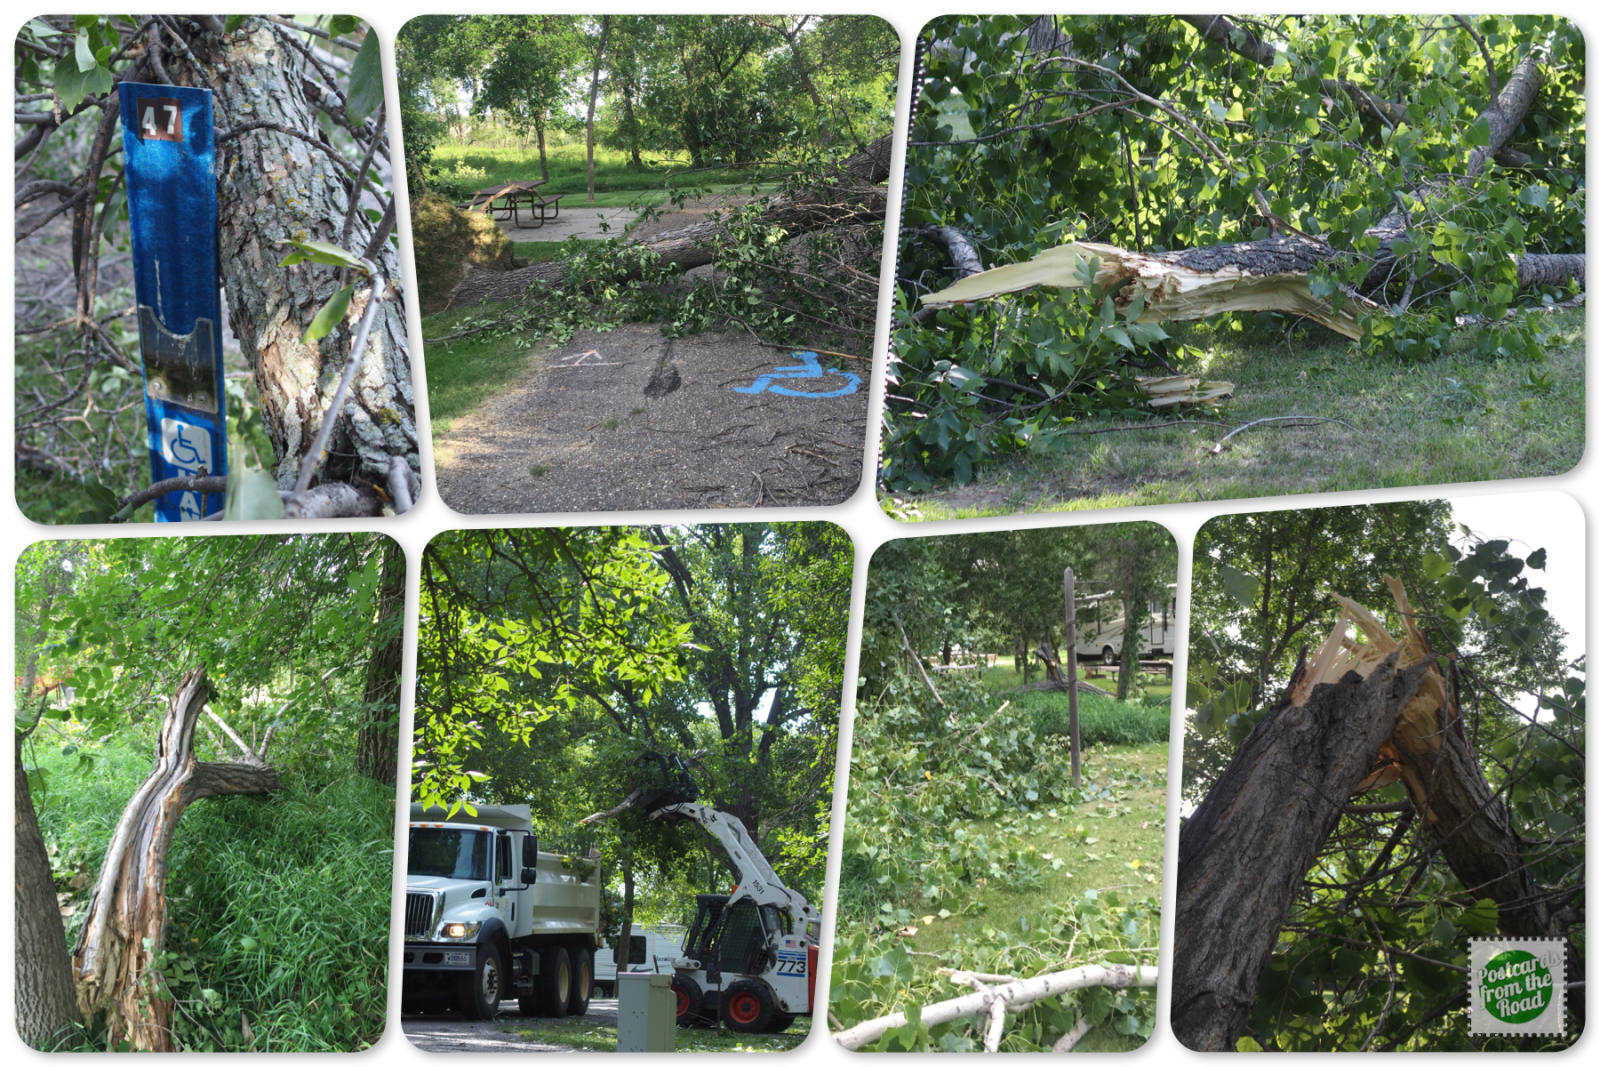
(637, 950)
(446, 853)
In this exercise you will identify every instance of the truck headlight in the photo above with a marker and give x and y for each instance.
(458, 931)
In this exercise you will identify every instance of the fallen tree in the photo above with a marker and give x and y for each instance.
(1354, 717)
(852, 194)
(114, 964)
(1390, 178)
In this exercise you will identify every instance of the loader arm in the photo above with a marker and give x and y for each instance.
(757, 880)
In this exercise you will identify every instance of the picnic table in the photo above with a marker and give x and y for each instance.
(516, 201)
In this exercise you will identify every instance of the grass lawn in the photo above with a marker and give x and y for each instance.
(1458, 419)
(1109, 847)
(583, 1033)
(617, 182)
(465, 372)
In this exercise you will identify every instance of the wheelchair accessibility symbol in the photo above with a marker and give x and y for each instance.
(808, 368)
(186, 447)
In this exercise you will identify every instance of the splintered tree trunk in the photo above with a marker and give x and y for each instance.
(1248, 846)
(273, 187)
(126, 924)
(1246, 849)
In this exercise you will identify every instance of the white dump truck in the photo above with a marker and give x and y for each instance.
(490, 916)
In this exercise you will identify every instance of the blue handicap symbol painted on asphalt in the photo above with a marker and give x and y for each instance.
(809, 368)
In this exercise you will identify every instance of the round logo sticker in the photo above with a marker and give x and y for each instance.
(1516, 987)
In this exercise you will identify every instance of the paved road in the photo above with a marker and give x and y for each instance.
(450, 1032)
(590, 223)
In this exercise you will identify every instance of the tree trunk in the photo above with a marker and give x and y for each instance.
(274, 187)
(378, 738)
(1245, 851)
(855, 197)
(126, 925)
(1247, 848)
(46, 1003)
(594, 94)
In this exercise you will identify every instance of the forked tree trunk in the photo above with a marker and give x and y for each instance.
(126, 925)
(273, 187)
(1244, 852)
(1246, 849)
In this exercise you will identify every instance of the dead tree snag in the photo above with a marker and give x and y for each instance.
(126, 926)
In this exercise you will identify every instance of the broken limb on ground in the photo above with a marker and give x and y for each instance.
(630, 419)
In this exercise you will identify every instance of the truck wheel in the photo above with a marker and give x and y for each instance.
(582, 981)
(748, 1006)
(691, 1001)
(1108, 656)
(555, 982)
(481, 990)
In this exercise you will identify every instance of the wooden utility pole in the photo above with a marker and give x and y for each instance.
(1072, 674)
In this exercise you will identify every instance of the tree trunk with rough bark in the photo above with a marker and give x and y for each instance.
(1246, 849)
(46, 1002)
(274, 186)
(856, 196)
(113, 965)
(378, 739)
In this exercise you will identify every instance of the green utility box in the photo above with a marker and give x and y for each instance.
(646, 1013)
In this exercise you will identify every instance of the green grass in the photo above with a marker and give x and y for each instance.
(1112, 843)
(545, 251)
(464, 373)
(1458, 419)
(617, 182)
(278, 906)
(583, 1033)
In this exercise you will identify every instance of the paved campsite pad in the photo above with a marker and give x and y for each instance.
(590, 223)
(629, 420)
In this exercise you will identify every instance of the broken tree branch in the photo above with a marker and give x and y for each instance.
(1012, 996)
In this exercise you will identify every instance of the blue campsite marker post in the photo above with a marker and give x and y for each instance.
(168, 145)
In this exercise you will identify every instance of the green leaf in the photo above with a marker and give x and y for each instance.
(366, 80)
(83, 52)
(252, 494)
(329, 316)
(339, 25)
(233, 22)
(322, 252)
(1240, 586)
(72, 85)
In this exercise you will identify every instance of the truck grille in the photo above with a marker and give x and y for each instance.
(419, 914)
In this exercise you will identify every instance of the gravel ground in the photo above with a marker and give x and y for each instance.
(449, 1032)
(629, 420)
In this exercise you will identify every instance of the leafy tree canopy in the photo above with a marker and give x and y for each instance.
(550, 660)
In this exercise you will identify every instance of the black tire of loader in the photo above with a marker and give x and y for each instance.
(690, 1001)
